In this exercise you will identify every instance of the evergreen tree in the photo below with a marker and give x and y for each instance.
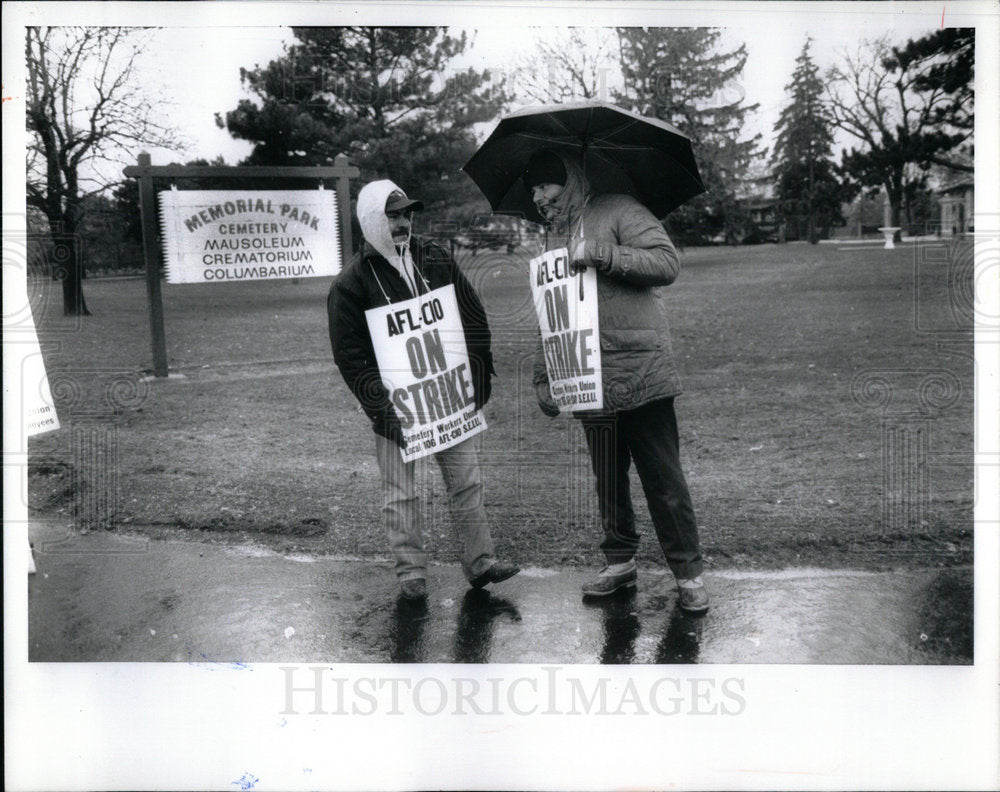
(386, 97)
(803, 168)
(680, 76)
(944, 65)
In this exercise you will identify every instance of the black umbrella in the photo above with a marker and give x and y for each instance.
(619, 150)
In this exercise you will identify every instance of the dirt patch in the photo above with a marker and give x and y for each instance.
(52, 485)
(310, 526)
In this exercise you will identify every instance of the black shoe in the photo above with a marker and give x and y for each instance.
(413, 589)
(501, 570)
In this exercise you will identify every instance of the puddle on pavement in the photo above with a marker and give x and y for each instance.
(109, 598)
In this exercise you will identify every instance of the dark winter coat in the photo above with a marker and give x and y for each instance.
(356, 290)
(634, 259)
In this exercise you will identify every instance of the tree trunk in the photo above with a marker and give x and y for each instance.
(894, 192)
(68, 267)
(71, 258)
(813, 239)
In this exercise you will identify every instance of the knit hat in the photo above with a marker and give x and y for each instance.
(544, 167)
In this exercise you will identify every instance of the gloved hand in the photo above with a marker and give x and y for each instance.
(545, 400)
(585, 253)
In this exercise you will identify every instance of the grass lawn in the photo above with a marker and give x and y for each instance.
(827, 417)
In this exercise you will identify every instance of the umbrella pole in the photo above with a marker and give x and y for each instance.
(583, 169)
(586, 143)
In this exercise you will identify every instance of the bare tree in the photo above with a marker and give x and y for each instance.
(574, 65)
(884, 104)
(83, 107)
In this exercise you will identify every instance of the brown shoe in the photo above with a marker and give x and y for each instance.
(607, 583)
(501, 570)
(413, 589)
(693, 599)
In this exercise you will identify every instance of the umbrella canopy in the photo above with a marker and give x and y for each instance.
(620, 151)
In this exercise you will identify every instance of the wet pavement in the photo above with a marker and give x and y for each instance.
(107, 597)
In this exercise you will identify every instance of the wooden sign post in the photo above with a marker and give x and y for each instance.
(145, 172)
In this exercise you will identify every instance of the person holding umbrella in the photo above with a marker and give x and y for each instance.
(598, 177)
(634, 258)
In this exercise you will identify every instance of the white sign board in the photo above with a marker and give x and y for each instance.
(212, 236)
(566, 304)
(39, 411)
(424, 364)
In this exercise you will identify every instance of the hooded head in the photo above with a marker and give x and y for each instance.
(383, 209)
(557, 186)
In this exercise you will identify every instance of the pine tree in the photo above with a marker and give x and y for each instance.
(802, 162)
(387, 97)
(944, 64)
(681, 76)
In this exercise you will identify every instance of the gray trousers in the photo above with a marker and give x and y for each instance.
(403, 511)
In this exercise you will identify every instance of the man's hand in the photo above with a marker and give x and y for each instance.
(585, 253)
(545, 400)
(394, 431)
(578, 258)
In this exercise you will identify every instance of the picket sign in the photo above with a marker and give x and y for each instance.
(424, 365)
(566, 305)
(38, 412)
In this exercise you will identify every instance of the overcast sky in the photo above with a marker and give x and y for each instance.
(191, 69)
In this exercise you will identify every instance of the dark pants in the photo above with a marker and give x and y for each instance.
(647, 436)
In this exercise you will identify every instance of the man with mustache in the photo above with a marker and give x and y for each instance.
(392, 267)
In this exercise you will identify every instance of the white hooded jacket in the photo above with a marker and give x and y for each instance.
(375, 228)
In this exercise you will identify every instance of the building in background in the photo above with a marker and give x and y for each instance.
(956, 197)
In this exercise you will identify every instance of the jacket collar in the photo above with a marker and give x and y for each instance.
(369, 252)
